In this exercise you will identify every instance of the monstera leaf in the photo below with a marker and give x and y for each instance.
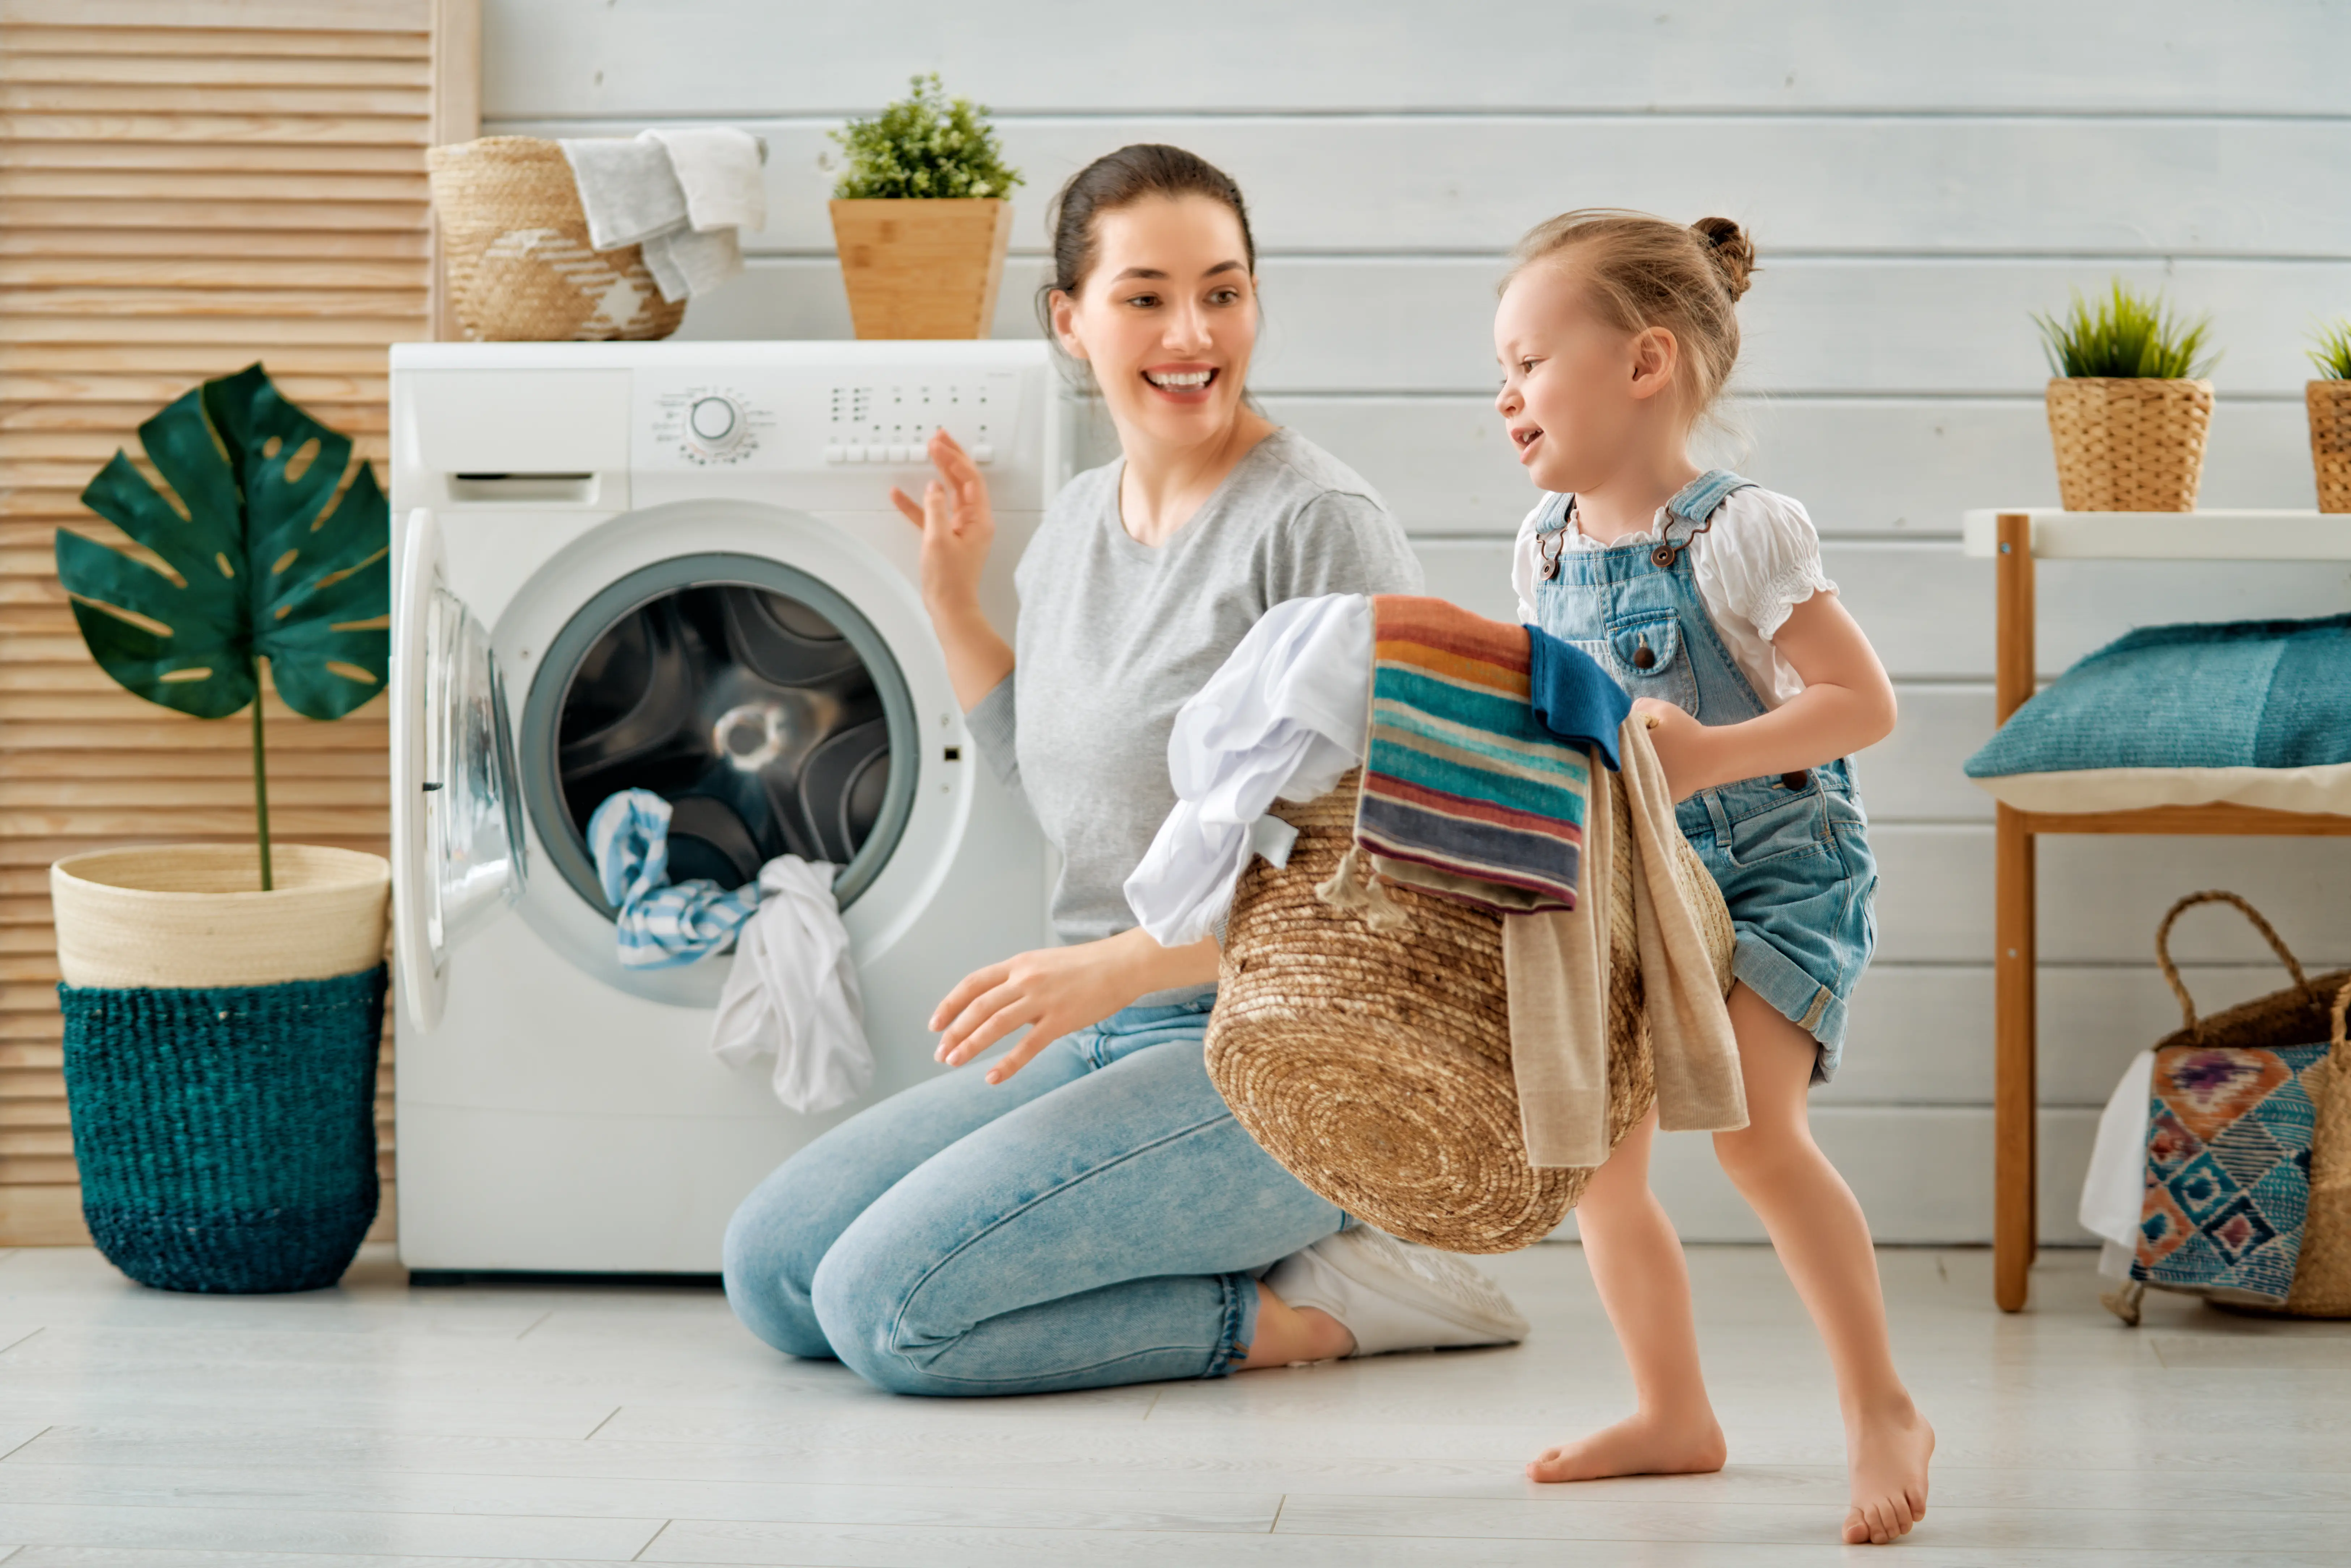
(266, 562)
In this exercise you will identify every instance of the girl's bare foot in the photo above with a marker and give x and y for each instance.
(1887, 1452)
(1640, 1445)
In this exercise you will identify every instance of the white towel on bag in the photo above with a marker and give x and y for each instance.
(793, 992)
(685, 196)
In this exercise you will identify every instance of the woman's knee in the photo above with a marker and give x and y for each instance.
(770, 1261)
(859, 1299)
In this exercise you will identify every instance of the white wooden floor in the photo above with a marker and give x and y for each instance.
(376, 1425)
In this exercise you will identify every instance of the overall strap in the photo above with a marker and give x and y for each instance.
(1697, 502)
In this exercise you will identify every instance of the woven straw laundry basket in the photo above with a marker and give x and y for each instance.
(514, 241)
(2129, 445)
(1376, 1064)
(220, 1059)
(2330, 441)
(2310, 1009)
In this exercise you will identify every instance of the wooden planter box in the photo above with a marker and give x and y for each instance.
(921, 268)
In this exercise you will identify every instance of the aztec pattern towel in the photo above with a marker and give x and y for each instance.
(2228, 1169)
(659, 924)
(1461, 776)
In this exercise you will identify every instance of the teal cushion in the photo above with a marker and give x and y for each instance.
(2248, 693)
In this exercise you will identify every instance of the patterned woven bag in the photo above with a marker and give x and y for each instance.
(2249, 1141)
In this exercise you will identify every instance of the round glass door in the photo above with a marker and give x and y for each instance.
(756, 700)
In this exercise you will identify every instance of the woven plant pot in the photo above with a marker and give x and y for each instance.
(514, 242)
(2127, 444)
(921, 268)
(2330, 441)
(220, 1059)
(1376, 1065)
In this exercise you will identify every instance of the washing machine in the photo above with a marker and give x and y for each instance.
(674, 567)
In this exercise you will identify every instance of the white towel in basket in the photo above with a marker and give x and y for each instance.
(685, 195)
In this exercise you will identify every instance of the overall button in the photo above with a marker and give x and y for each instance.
(1643, 657)
(1800, 780)
(1663, 555)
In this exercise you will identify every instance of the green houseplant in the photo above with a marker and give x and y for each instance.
(922, 215)
(2129, 403)
(2329, 400)
(223, 1002)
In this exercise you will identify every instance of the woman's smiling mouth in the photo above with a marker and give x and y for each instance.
(1181, 383)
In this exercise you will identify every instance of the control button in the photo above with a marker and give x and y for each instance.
(981, 452)
(902, 454)
(833, 453)
(712, 418)
(852, 454)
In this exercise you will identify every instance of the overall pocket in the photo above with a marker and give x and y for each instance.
(1645, 654)
(1797, 826)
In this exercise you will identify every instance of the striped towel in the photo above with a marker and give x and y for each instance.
(659, 924)
(1461, 775)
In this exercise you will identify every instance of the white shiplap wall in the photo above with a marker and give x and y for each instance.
(1919, 180)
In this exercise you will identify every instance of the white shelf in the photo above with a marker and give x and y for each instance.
(2168, 536)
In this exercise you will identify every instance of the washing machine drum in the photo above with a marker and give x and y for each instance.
(747, 710)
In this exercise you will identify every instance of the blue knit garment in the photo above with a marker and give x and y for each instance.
(2246, 693)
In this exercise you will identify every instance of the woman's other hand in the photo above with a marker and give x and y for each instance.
(1057, 991)
(959, 526)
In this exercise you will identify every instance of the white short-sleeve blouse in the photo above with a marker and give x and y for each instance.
(1759, 560)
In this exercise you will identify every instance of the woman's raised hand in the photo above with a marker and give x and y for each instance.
(958, 524)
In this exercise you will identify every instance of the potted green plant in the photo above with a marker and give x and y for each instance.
(922, 217)
(223, 1002)
(2129, 406)
(2329, 400)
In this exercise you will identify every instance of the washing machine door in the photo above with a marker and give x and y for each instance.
(457, 842)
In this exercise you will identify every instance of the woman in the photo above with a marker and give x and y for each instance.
(1085, 1211)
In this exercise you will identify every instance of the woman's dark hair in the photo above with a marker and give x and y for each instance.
(1121, 179)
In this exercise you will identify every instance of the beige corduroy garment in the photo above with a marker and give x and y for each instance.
(1557, 964)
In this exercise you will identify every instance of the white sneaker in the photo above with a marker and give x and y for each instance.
(1394, 1295)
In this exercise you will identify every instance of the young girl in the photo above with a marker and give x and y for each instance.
(1703, 593)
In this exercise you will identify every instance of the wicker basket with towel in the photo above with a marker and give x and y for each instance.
(1466, 967)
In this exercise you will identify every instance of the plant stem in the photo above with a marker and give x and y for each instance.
(260, 781)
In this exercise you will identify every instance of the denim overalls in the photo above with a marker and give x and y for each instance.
(1790, 852)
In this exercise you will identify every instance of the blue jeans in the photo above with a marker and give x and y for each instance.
(1098, 1219)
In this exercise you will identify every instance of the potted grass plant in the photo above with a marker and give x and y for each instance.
(2329, 399)
(2129, 406)
(223, 1002)
(922, 215)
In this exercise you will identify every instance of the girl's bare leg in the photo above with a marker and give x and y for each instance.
(1636, 1262)
(1823, 1241)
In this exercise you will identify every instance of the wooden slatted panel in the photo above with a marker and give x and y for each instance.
(186, 186)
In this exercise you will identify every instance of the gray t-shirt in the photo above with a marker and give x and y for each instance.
(1114, 635)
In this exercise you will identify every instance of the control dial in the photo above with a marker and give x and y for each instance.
(714, 423)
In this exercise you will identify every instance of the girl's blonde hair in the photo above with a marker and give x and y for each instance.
(1641, 272)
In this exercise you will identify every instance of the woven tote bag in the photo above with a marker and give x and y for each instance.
(1376, 1064)
(2309, 1011)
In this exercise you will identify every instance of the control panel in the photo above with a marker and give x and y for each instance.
(804, 418)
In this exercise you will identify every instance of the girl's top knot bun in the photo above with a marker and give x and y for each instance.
(1732, 251)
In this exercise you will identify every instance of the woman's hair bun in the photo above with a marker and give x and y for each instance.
(1733, 252)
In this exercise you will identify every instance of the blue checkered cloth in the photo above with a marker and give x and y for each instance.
(659, 924)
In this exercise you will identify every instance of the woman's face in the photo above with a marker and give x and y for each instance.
(1167, 318)
(1578, 395)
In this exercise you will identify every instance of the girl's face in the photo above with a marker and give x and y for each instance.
(1579, 396)
(1167, 319)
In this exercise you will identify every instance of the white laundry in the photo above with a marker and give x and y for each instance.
(1284, 718)
(793, 991)
(2113, 1193)
(685, 196)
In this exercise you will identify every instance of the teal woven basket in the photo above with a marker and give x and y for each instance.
(226, 1136)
